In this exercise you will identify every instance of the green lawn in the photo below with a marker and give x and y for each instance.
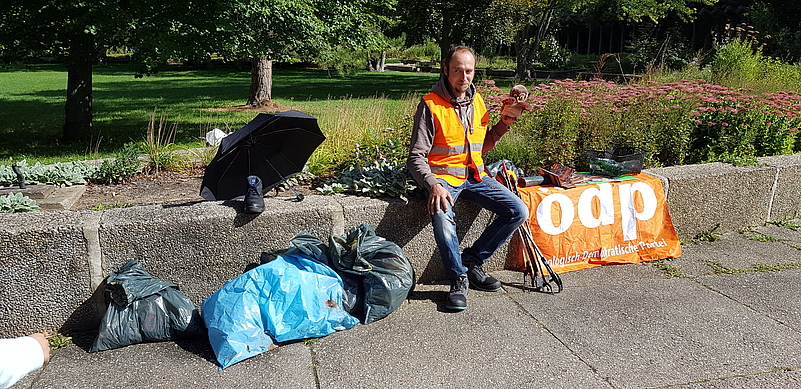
(32, 104)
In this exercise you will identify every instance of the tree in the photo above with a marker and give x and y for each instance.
(639, 10)
(80, 32)
(780, 20)
(289, 30)
(447, 22)
(532, 19)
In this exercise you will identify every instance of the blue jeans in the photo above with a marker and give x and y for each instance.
(489, 194)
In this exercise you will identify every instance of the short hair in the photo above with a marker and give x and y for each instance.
(446, 60)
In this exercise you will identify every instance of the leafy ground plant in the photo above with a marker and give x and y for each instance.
(57, 340)
(709, 235)
(124, 166)
(379, 179)
(789, 223)
(668, 269)
(60, 174)
(17, 202)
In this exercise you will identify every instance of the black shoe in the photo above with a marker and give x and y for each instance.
(457, 297)
(254, 199)
(480, 280)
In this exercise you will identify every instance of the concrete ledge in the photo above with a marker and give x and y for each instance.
(53, 263)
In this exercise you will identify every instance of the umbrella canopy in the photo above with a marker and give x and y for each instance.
(272, 146)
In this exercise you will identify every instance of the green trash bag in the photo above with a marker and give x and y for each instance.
(377, 276)
(144, 309)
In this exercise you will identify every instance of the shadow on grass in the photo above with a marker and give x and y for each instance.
(31, 120)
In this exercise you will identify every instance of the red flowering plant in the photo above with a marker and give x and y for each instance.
(674, 123)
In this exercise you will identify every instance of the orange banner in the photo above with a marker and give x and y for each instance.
(597, 224)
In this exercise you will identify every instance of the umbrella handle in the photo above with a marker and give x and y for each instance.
(298, 196)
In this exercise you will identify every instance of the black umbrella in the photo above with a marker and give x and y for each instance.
(272, 146)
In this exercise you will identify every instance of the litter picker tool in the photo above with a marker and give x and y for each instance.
(542, 277)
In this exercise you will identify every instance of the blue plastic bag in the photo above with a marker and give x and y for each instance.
(291, 297)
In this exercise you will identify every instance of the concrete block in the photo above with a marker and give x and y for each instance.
(701, 196)
(787, 190)
(408, 224)
(201, 246)
(62, 198)
(45, 272)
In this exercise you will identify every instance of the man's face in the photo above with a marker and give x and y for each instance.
(460, 71)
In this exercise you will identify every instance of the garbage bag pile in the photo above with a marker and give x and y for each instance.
(144, 309)
(309, 290)
(291, 297)
(377, 276)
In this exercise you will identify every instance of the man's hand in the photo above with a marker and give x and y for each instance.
(439, 198)
(510, 114)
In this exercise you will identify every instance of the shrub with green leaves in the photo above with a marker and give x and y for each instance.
(552, 55)
(59, 174)
(124, 166)
(16, 202)
(736, 58)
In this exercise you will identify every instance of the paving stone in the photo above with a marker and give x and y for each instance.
(663, 332)
(772, 294)
(189, 364)
(491, 344)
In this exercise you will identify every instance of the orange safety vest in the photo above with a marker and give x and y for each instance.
(454, 148)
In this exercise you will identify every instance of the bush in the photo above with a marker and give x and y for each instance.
(651, 48)
(553, 56)
(124, 166)
(377, 179)
(674, 123)
(736, 59)
(16, 202)
(429, 51)
(343, 60)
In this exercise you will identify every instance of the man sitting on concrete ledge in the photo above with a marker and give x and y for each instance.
(449, 138)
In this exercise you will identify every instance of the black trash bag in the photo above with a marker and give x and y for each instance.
(386, 274)
(144, 309)
(377, 277)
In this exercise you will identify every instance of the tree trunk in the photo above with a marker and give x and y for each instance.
(382, 61)
(445, 40)
(78, 107)
(523, 47)
(261, 81)
(542, 30)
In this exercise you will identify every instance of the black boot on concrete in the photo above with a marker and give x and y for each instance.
(480, 280)
(457, 297)
(254, 199)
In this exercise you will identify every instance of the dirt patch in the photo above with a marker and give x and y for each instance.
(164, 188)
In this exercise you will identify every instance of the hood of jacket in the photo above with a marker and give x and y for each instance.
(464, 107)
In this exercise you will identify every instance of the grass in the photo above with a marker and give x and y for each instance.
(709, 235)
(795, 226)
(118, 204)
(719, 268)
(669, 270)
(32, 104)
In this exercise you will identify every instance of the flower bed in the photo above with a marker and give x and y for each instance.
(674, 123)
